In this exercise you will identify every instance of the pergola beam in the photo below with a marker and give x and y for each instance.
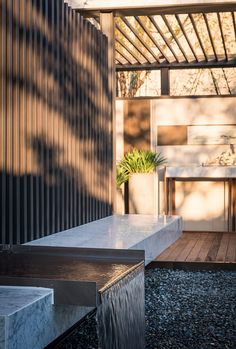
(163, 37)
(174, 37)
(150, 7)
(132, 53)
(136, 34)
(210, 36)
(175, 65)
(222, 36)
(131, 41)
(198, 36)
(151, 37)
(186, 36)
(234, 23)
(118, 61)
(122, 54)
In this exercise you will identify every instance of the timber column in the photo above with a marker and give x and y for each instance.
(108, 28)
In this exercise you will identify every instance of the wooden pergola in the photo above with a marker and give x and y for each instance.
(167, 34)
(164, 35)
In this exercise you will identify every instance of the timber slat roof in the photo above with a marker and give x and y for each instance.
(176, 40)
(190, 35)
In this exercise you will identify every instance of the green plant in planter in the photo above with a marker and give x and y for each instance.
(137, 161)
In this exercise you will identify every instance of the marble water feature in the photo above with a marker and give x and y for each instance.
(72, 273)
(121, 315)
(109, 281)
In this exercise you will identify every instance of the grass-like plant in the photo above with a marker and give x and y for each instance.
(137, 161)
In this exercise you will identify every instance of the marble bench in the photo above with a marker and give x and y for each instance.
(153, 234)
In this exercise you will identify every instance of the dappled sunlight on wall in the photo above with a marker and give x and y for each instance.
(200, 200)
(55, 120)
(194, 111)
(192, 154)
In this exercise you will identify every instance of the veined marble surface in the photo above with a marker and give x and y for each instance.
(201, 171)
(2, 332)
(120, 232)
(23, 310)
(29, 320)
(14, 298)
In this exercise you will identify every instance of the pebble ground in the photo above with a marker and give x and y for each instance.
(184, 310)
(192, 310)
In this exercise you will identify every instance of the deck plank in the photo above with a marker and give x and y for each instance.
(231, 251)
(195, 251)
(182, 244)
(212, 253)
(213, 247)
(166, 253)
(221, 254)
(186, 250)
(201, 257)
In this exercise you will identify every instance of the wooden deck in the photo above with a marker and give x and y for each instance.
(200, 247)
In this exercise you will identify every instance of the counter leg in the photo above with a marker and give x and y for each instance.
(229, 205)
(167, 196)
(173, 208)
(234, 205)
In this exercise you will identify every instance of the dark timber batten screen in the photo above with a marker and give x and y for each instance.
(55, 124)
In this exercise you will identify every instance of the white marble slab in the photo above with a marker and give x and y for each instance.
(22, 311)
(14, 298)
(29, 320)
(151, 233)
(201, 171)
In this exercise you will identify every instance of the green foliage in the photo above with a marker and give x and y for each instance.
(137, 161)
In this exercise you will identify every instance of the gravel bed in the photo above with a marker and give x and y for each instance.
(82, 337)
(184, 310)
(190, 309)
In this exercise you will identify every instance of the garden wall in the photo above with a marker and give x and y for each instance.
(55, 120)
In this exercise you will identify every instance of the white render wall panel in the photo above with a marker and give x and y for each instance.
(183, 155)
(194, 111)
(213, 134)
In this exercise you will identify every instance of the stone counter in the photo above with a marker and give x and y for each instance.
(217, 172)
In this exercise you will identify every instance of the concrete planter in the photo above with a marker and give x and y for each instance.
(142, 193)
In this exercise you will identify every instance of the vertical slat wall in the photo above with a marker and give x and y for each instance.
(55, 123)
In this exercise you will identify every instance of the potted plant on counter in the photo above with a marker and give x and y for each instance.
(138, 168)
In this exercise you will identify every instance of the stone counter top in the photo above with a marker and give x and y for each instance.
(201, 172)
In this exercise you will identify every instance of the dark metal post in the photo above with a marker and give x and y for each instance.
(165, 82)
